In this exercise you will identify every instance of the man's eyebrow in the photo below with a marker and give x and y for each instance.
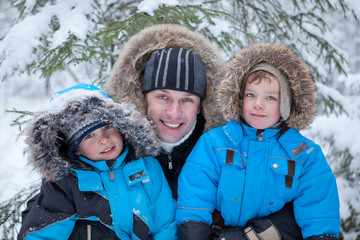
(164, 90)
(190, 95)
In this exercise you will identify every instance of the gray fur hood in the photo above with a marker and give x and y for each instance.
(124, 84)
(301, 82)
(45, 140)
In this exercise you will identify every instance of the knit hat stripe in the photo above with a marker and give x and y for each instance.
(166, 68)
(191, 72)
(175, 69)
(178, 70)
(186, 87)
(158, 70)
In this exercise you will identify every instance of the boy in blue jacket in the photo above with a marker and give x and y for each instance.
(91, 153)
(257, 162)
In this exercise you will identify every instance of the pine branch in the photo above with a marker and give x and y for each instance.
(10, 211)
(22, 118)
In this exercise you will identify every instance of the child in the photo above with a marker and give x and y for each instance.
(257, 162)
(91, 153)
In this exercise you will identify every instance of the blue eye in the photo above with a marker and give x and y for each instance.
(249, 95)
(271, 98)
(162, 97)
(90, 135)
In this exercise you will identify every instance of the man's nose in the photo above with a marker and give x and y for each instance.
(174, 109)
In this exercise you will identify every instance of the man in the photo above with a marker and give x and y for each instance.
(170, 74)
(143, 62)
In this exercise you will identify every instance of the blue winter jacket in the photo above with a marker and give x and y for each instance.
(132, 199)
(246, 174)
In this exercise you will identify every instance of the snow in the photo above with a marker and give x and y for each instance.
(16, 174)
(149, 6)
(28, 92)
(22, 39)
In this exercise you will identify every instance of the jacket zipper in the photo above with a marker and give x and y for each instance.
(261, 136)
(170, 161)
(112, 174)
(242, 195)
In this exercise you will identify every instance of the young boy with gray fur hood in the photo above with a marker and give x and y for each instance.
(91, 153)
(259, 161)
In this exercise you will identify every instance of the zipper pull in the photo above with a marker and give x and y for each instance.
(261, 136)
(170, 162)
(112, 176)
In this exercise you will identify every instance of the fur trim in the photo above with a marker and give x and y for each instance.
(47, 144)
(301, 82)
(124, 84)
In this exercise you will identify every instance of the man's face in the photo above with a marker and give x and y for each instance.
(173, 112)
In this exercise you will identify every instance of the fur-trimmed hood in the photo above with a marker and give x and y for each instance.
(301, 82)
(124, 84)
(46, 142)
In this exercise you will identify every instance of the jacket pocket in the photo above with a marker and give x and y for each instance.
(283, 181)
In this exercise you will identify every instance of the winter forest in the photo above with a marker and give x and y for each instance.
(49, 45)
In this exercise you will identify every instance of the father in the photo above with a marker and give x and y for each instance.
(170, 74)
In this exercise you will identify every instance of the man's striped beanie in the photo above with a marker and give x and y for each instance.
(175, 69)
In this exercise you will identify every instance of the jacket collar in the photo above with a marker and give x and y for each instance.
(102, 165)
(242, 130)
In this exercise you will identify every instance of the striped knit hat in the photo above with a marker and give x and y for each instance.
(175, 69)
(79, 112)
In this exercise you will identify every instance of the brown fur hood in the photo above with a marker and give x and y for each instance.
(301, 82)
(46, 140)
(124, 84)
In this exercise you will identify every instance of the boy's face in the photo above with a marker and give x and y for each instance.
(173, 112)
(104, 143)
(261, 103)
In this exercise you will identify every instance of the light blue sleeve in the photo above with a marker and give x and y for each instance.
(52, 215)
(57, 231)
(316, 206)
(197, 184)
(164, 205)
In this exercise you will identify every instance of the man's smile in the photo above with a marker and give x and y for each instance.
(171, 125)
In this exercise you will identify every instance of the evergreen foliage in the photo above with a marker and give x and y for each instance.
(10, 211)
(231, 25)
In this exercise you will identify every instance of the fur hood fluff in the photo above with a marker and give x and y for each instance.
(45, 140)
(301, 82)
(124, 84)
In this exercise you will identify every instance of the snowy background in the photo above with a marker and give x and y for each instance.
(29, 93)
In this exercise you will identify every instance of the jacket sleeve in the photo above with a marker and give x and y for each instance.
(197, 185)
(51, 216)
(163, 204)
(316, 206)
